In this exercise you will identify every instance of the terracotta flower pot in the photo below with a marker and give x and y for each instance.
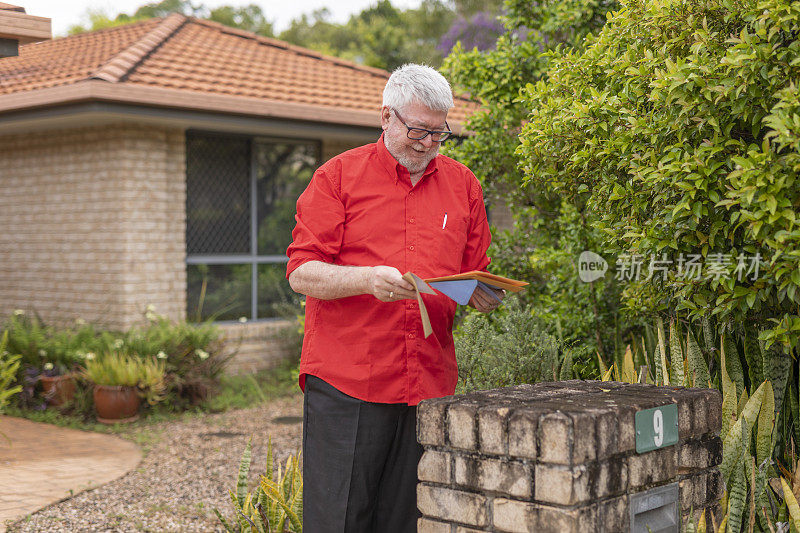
(116, 404)
(58, 390)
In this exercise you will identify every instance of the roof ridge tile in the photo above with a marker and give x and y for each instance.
(122, 63)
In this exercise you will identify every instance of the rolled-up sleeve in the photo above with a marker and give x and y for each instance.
(317, 235)
(478, 235)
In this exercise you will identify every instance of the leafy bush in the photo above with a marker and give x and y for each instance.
(38, 344)
(9, 363)
(550, 230)
(510, 348)
(192, 355)
(677, 126)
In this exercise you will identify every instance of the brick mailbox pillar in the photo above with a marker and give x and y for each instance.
(562, 457)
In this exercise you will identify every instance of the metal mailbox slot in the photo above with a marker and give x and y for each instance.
(655, 510)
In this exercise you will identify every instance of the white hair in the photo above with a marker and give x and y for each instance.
(419, 83)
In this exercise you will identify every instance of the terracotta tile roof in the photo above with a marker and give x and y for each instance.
(68, 60)
(187, 59)
(9, 7)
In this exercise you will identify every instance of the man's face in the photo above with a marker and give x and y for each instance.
(414, 155)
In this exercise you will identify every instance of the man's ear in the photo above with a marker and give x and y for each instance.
(386, 114)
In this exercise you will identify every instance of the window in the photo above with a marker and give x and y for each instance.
(240, 204)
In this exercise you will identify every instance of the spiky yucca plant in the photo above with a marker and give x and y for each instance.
(276, 505)
(760, 416)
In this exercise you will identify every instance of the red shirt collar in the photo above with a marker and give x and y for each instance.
(396, 169)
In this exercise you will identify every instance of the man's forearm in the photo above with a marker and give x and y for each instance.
(328, 282)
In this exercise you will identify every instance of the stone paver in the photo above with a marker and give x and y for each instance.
(41, 464)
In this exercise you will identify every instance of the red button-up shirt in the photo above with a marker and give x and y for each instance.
(360, 209)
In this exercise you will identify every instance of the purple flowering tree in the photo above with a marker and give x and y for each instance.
(480, 31)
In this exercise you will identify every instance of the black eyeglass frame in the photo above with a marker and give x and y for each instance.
(446, 134)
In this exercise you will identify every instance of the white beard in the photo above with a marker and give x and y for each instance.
(414, 166)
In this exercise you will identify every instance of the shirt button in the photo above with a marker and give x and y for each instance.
(411, 221)
(410, 335)
(411, 247)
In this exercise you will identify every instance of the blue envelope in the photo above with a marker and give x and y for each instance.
(460, 291)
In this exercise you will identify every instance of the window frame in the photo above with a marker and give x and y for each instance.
(253, 258)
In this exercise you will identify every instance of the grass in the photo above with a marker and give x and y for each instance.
(250, 390)
(235, 392)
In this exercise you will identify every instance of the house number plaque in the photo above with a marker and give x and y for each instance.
(656, 428)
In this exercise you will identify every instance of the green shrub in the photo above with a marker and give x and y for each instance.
(677, 126)
(29, 338)
(9, 363)
(193, 355)
(550, 230)
(507, 349)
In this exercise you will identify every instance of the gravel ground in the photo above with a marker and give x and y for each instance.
(188, 470)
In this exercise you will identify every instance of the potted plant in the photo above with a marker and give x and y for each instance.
(58, 384)
(40, 359)
(120, 382)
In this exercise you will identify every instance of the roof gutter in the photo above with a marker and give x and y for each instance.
(101, 91)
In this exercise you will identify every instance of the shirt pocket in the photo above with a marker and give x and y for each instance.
(448, 242)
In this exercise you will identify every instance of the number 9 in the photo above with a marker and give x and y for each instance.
(658, 428)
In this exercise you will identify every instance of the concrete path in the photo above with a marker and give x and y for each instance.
(42, 464)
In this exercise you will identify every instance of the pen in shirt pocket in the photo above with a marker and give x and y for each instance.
(444, 222)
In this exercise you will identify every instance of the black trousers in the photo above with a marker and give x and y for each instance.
(359, 463)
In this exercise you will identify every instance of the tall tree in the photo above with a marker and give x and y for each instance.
(249, 18)
(380, 36)
(550, 231)
(679, 126)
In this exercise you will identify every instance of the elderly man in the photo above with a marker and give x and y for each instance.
(368, 216)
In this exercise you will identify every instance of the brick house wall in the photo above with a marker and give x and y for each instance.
(94, 223)
(258, 345)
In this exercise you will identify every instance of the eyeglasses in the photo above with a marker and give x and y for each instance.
(418, 134)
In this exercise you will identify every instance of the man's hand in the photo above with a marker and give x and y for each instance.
(387, 284)
(484, 302)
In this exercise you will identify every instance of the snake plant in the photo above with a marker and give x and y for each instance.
(276, 504)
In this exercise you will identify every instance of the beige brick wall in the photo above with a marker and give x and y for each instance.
(258, 345)
(94, 223)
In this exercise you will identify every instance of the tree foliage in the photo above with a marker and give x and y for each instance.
(248, 18)
(679, 127)
(380, 36)
(480, 31)
(551, 231)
